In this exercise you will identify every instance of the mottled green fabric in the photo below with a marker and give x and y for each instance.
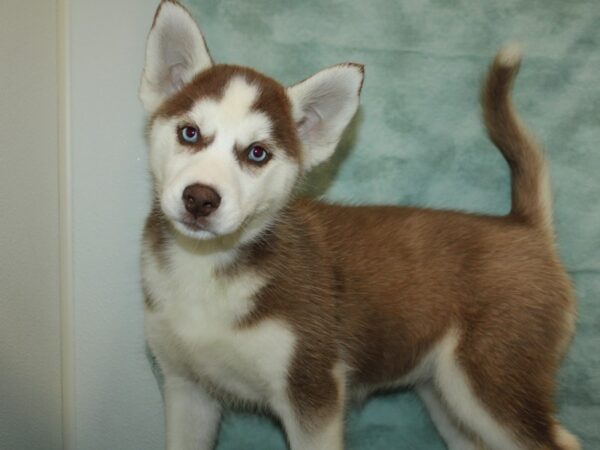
(417, 140)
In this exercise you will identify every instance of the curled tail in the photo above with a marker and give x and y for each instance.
(531, 200)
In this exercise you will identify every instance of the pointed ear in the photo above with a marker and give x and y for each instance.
(322, 106)
(175, 52)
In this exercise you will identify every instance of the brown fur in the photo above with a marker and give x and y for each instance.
(517, 146)
(389, 282)
(377, 287)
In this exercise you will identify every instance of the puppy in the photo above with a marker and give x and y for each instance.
(292, 306)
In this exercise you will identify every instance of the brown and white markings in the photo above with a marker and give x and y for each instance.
(292, 306)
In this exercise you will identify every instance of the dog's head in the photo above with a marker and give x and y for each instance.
(227, 144)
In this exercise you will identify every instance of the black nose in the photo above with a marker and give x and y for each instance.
(200, 200)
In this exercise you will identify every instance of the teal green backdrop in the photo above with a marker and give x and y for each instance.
(417, 140)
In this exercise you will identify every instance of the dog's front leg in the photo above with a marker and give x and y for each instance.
(192, 415)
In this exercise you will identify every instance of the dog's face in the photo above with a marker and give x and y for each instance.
(227, 144)
(224, 152)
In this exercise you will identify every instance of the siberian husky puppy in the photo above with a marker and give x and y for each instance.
(290, 306)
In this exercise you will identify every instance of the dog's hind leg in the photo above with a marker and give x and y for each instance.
(447, 426)
(505, 410)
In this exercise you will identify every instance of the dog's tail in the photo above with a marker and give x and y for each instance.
(531, 200)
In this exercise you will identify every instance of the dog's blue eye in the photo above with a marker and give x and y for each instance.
(257, 154)
(189, 134)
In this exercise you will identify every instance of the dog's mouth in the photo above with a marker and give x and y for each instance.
(201, 228)
(204, 228)
(195, 224)
(200, 225)
(198, 228)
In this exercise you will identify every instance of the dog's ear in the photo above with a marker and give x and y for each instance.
(322, 106)
(175, 52)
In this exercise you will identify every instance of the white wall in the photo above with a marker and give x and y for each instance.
(86, 264)
(117, 400)
(30, 354)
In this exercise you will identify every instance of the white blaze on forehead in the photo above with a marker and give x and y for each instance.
(238, 98)
(232, 118)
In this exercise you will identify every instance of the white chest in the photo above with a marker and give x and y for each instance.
(194, 330)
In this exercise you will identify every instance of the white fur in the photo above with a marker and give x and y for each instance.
(248, 196)
(511, 54)
(175, 52)
(565, 439)
(323, 105)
